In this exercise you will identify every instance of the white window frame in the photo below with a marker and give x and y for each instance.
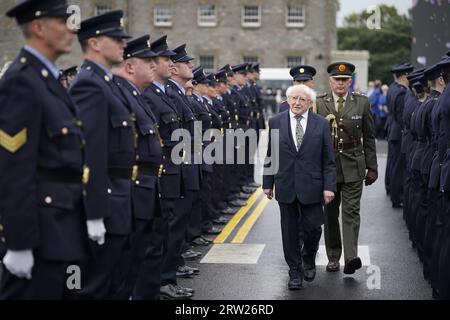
(302, 61)
(213, 21)
(251, 24)
(156, 15)
(205, 69)
(102, 8)
(298, 24)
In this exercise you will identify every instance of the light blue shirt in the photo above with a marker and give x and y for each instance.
(208, 100)
(160, 86)
(50, 66)
(179, 86)
(198, 96)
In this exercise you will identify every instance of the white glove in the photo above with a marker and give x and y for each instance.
(96, 230)
(19, 263)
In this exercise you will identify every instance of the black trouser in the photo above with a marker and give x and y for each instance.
(396, 175)
(178, 224)
(98, 279)
(49, 282)
(434, 208)
(387, 177)
(300, 238)
(209, 213)
(194, 228)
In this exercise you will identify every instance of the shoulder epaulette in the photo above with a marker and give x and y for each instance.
(322, 95)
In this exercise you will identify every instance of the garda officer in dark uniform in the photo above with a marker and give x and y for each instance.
(442, 243)
(181, 73)
(429, 139)
(351, 122)
(172, 185)
(301, 74)
(141, 277)
(111, 150)
(204, 113)
(396, 160)
(261, 122)
(42, 160)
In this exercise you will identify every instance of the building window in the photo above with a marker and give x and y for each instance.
(207, 62)
(102, 8)
(207, 16)
(251, 16)
(251, 59)
(294, 61)
(162, 15)
(295, 16)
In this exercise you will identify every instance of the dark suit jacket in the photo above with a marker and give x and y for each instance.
(306, 173)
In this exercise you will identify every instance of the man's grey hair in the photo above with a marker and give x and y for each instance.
(303, 89)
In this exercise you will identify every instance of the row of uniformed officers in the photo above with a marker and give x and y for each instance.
(418, 167)
(88, 182)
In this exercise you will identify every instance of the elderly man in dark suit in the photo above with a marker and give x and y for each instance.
(304, 179)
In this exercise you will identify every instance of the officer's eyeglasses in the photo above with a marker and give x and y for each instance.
(301, 99)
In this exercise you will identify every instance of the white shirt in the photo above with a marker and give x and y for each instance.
(336, 98)
(303, 122)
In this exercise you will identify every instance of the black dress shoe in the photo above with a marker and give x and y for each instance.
(199, 241)
(190, 269)
(242, 196)
(206, 239)
(220, 220)
(254, 185)
(397, 205)
(295, 284)
(191, 255)
(185, 289)
(238, 203)
(172, 292)
(333, 266)
(183, 272)
(309, 274)
(213, 230)
(351, 265)
(228, 211)
(248, 190)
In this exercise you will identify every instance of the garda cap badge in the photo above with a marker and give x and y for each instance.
(342, 67)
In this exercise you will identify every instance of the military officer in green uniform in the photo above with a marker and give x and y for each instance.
(356, 161)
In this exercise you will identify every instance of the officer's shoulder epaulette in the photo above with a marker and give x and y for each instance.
(356, 94)
(322, 95)
(284, 101)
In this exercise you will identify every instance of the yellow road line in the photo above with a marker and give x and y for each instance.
(247, 226)
(228, 229)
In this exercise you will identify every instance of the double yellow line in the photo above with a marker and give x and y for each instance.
(248, 224)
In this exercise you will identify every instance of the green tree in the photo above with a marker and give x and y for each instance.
(387, 46)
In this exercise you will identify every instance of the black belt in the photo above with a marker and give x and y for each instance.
(64, 175)
(123, 173)
(341, 146)
(149, 168)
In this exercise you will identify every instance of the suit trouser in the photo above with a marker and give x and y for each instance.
(397, 170)
(194, 228)
(387, 177)
(97, 274)
(48, 282)
(209, 213)
(178, 223)
(421, 216)
(443, 274)
(434, 208)
(350, 194)
(300, 238)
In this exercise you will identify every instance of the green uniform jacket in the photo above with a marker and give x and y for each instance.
(354, 124)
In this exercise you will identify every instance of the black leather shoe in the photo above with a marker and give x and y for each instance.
(213, 230)
(171, 292)
(199, 241)
(191, 255)
(185, 289)
(333, 266)
(242, 196)
(248, 190)
(206, 239)
(238, 203)
(220, 220)
(309, 274)
(352, 265)
(183, 272)
(295, 284)
(254, 185)
(228, 211)
(190, 269)
(397, 205)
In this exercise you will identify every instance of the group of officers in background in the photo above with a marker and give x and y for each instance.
(418, 164)
(88, 181)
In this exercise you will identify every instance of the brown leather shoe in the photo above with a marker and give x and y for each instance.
(333, 266)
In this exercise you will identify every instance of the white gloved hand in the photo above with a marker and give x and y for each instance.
(96, 230)
(19, 263)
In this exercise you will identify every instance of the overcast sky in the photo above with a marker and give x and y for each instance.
(351, 6)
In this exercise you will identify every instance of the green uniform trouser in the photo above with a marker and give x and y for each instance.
(350, 195)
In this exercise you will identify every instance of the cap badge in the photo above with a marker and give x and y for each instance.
(302, 70)
(342, 68)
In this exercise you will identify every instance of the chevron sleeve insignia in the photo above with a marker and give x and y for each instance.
(12, 144)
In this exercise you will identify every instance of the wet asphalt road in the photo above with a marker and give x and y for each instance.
(395, 271)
